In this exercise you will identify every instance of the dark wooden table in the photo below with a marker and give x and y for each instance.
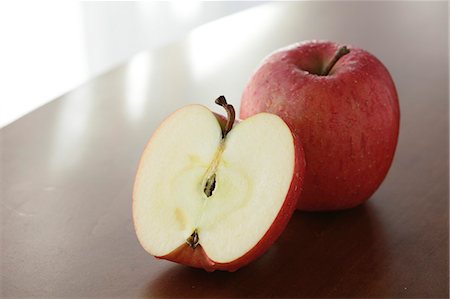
(67, 168)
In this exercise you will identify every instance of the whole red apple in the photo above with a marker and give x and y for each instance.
(342, 104)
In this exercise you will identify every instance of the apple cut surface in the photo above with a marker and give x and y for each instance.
(219, 196)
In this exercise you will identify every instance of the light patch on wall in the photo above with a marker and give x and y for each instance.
(137, 85)
(42, 54)
(186, 9)
(212, 45)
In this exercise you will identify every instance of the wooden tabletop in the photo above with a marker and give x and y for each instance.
(67, 169)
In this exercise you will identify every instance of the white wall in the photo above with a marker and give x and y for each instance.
(49, 47)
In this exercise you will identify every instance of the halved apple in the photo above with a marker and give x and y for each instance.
(213, 196)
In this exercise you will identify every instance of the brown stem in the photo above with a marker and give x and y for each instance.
(339, 53)
(230, 112)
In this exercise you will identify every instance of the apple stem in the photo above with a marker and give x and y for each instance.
(339, 53)
(230, 112)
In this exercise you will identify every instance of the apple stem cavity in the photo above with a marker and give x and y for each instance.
(221, 101)
(192, 241)
(339, 53)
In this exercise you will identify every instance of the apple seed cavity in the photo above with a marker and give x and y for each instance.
(210, 185)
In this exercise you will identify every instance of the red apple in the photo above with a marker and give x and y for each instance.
(342, 104)
(212, 195)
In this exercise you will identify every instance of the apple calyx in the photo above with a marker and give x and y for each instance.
(192, 241)
(341, 51)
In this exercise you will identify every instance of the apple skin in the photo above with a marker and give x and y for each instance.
(348, 121)
(197, 257)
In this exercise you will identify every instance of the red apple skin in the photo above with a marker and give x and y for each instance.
(197, 257)
(348, 121)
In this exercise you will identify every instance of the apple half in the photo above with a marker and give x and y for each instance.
(214, 193)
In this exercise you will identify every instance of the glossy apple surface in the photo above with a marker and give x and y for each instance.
(347, 120)
(216, 200)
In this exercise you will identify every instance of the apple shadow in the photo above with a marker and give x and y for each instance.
(333, 254)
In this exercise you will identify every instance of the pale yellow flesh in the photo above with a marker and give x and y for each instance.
(254, 166)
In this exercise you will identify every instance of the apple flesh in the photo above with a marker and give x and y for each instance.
(215, 197)
(343, 106)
